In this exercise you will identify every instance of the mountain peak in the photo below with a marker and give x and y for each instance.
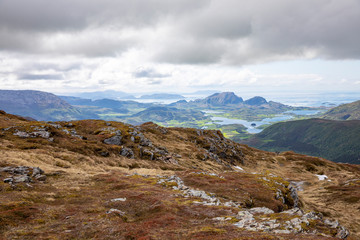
(257, 100)
(223, 98)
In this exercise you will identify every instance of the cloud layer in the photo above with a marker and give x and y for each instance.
(183, 31)
(177, 44)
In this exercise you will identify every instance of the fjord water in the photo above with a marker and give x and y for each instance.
(251, 129)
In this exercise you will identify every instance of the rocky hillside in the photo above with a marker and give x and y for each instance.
(95, 179)
(338, 141)
(350, 111)
(37, 105)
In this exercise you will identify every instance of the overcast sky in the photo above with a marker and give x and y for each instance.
(180, 45)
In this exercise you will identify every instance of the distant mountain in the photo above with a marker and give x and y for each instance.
(349, 111)
(256, 101)
(162, 96)
(338, 141)
(219, 99)
(38, 105)
(104, 94)
(105, 103)
(165, 115)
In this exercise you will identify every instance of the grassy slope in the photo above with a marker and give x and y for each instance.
(338, 141)
(350, 111)
(73, 201)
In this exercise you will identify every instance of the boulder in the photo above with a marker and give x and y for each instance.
(115, 140)
(127, 152)
(21, 178)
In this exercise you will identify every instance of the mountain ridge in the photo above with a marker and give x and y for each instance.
(334, 140)
(37, 104)
(349, 111)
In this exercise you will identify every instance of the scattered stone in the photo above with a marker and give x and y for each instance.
(117, 211)
(23, 174)
(257, 219)
(261, 210)
(22, 134)
(118, 200)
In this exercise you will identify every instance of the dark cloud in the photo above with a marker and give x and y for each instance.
(40, 77)
(149, 73)
(49, 66)
(247, 32)
(187, 31)
(42, 15)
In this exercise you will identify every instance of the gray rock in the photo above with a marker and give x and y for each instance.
(145, 142)
(127, 152)
(117, 211)
(22, 134)
(43, 134)
(37, 171)
(342, 233)
(148, 154)
(294, 195)
(261, 210)
(281, 231)
(118, 200)
(115, 140)
(8, 180)
(313, 216)
(40, 177)
(21, 178)
(332, 224)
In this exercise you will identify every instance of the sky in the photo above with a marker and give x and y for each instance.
(69, 46)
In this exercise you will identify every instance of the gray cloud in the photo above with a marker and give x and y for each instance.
(149, 73)
(184, 31)
(40, 76)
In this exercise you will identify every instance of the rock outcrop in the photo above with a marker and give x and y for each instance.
(22, 174)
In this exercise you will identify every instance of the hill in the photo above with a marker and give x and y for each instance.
(220, 99)
(257, 100)
(38, 105)
(95, 179)
(338, 141)
(166, 115)
(349, 111)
